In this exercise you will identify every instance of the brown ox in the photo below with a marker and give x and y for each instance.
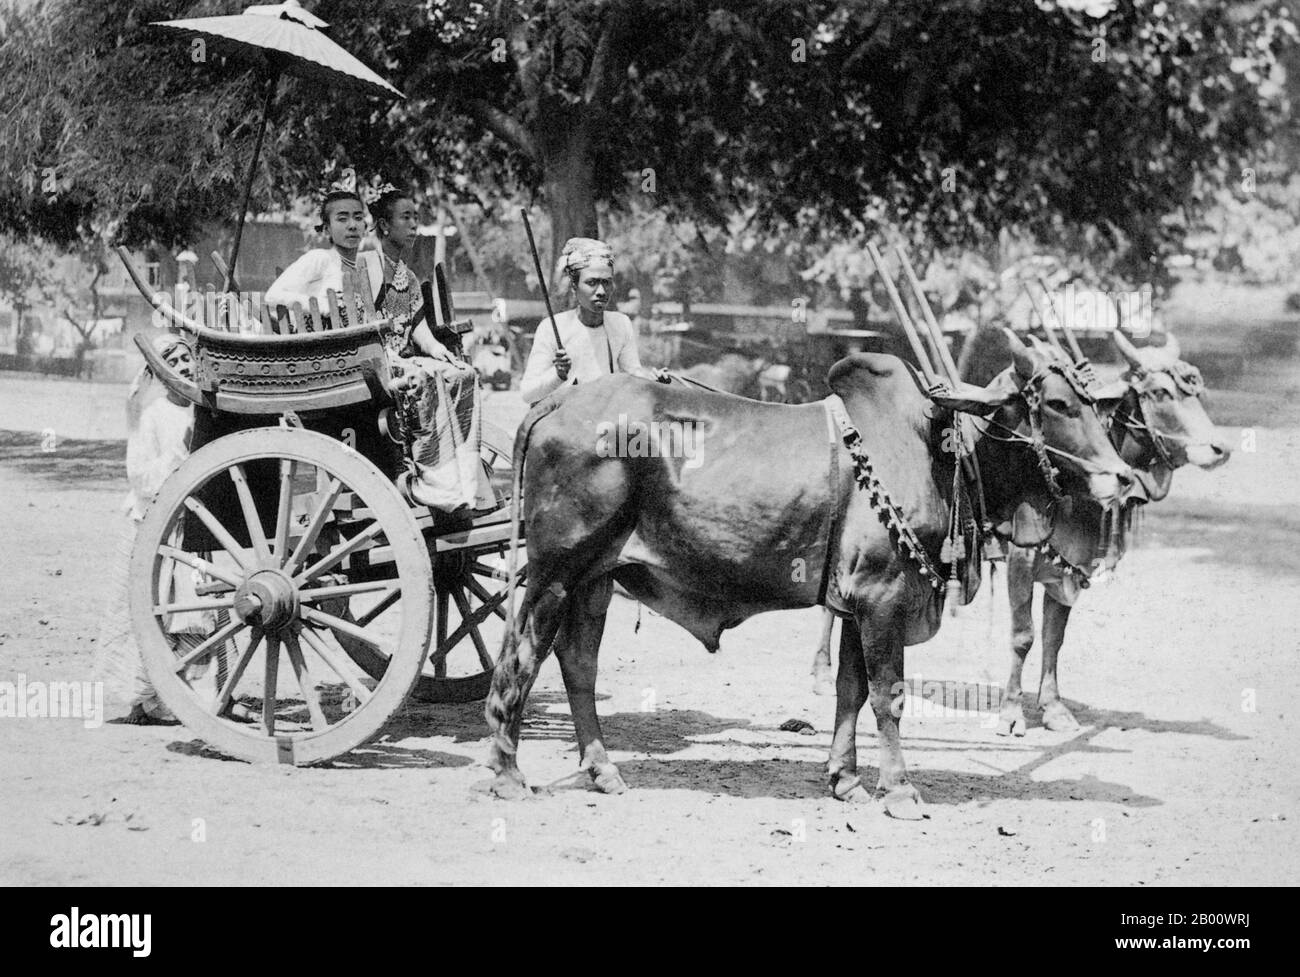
(712, 543)
(1157, 424)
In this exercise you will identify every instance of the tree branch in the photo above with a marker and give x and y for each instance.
(503, 125)
(602, 62)
(83, 331)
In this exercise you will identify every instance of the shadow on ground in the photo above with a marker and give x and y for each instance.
(1240, 534)
(86, 464)
(669, 731)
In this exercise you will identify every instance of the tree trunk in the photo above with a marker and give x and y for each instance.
(569, 191)
(22, 335)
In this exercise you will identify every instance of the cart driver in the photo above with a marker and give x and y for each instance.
(596, 340)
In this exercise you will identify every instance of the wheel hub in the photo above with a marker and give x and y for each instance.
(268, 599)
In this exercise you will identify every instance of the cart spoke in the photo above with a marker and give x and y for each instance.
(314, 526)
(308, 690)
(341, 626)
(379, 608)
(219, 533)
(331, 658)
(496, 573)
(282, 512)
(228, 690)
(462, 602)
(252, 519)
(392, 591)
(197, 563)
(484, 658)
(481, 592)
(473, 620)
(272, 676)
(203, 604)
(339, 552)
(205, 649)
(440, 661)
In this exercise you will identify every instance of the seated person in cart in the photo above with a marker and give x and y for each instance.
(597, 342)
(448, 473)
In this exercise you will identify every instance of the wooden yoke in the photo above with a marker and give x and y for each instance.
(1061, 323)
(969, 461)
(900, 310)
(1048, 316)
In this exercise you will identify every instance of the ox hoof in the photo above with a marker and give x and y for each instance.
(608, 780)
(1011, 722)
(1058, 718)
(905, 804)
(848, 788)
(509, 787)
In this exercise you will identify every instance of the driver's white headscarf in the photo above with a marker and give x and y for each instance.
(579, 252)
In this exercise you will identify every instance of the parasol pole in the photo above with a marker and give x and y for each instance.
(271, 83)
(541, 278)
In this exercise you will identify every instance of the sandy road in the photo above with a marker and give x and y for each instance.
(1173, 779)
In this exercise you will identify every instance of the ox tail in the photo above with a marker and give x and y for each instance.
(502, 699)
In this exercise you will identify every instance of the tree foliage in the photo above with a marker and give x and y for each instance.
(951, 119)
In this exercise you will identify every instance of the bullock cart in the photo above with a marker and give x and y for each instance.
(286, 596)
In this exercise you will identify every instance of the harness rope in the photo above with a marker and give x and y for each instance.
(865, 476)
(1190, 382)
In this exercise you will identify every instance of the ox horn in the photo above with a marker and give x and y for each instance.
(1171, 346)
(1021, 354)
(1127, 349)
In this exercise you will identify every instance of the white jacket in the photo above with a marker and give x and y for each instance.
(317, 272)
(588, 350)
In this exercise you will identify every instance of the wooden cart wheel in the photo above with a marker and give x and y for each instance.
(470, 590)
(283, 514)
(470, 586)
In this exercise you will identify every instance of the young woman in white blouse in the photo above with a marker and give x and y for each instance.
(338, 268)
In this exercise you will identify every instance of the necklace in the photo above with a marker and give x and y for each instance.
(400, 280)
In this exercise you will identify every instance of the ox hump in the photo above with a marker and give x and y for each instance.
(869, 374)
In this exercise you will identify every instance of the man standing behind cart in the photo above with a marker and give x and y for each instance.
(596, 341)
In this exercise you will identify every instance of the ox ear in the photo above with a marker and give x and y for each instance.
(1108, 393)
(967, 397)
(1171, 347)
(970, 399)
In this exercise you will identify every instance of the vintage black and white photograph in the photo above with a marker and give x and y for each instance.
(651, 442)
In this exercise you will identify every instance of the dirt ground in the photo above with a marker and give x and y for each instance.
(1182, 672)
